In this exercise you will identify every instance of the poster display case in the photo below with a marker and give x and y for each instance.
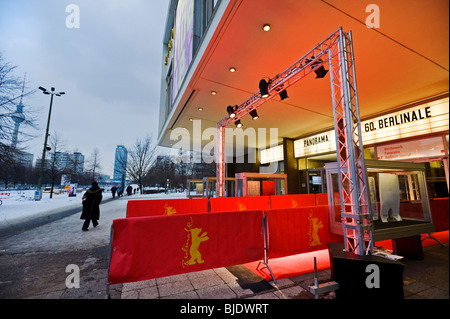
(399, 201)
(209, 187)
(194, 188)
(260, 184)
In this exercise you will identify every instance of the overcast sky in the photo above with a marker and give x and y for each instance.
(109, 68)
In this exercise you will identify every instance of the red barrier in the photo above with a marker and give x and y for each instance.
(297, 230)
(151, 247)
(321, 199)
(292, 201)
(157, 207)
(227, 204)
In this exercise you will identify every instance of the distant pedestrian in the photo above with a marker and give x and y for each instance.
(91, 206)
(113, 191)
(119, 191)
(129, 190)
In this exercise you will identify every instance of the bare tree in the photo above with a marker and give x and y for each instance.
(140, 158)
(93, 164)
(55, 167)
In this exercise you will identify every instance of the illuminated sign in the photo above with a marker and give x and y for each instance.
(272, 154)
(419, 120)
(316, 144)
(415, 121)
(429, 147)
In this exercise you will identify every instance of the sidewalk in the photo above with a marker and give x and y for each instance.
(423, 279)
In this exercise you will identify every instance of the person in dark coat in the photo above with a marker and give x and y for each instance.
(113, 191)
(91, 206)
(129, 190)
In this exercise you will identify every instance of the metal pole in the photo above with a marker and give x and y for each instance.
(45, 143)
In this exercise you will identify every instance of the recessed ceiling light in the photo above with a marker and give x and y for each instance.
(191, 119)
(232, 69)
(266, 27)
(213, 92)
(200, 109)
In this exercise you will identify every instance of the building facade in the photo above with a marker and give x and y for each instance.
(120, 162)
(216, 52)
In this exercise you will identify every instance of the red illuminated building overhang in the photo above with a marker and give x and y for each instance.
(405, 60)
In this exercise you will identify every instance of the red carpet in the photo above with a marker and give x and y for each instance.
(295, 265)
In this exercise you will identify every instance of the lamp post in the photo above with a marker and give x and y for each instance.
(51, 93)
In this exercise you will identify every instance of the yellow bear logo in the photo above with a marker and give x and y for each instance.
(313, 233)
(168, 210)
(191, 248)
(241, 207)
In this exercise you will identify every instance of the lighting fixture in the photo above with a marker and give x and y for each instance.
(238, 123)
(266, 27)
(320, 72)
(200, 109)
(264, 88)
(283, 95)
(231, 110)
(213, 92)
(254, 115)
(232, 69)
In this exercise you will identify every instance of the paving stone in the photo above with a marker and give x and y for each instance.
(217, 292)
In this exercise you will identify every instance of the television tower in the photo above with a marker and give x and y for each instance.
(18, 117)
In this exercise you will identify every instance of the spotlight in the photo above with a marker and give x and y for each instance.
(238, 123)
(283, 95)
(264, 88)
(231, 110)
(320, 72)
(282, 92)
(266, 27)
(254, 115)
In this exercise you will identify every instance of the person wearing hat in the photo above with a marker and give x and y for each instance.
(91, 206)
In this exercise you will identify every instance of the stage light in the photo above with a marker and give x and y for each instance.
(254, 115)
(231, 111)
(264, 88)
(320, 72)
(238, 123)
(283, 95)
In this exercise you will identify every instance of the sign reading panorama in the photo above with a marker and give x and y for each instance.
(415, 121)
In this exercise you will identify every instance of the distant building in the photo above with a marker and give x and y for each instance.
(120, 162)
(73, 162)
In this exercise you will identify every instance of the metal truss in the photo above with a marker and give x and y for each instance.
(337, 51)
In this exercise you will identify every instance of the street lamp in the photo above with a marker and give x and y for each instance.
(51, 93)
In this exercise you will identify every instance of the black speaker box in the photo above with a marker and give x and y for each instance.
(362, 277)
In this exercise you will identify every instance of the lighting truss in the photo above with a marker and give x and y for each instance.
(337, 51)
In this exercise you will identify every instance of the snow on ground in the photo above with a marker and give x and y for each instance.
(20, 206)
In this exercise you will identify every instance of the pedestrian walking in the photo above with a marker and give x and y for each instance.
(129, 190)
(91, 206)
(113, 191)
